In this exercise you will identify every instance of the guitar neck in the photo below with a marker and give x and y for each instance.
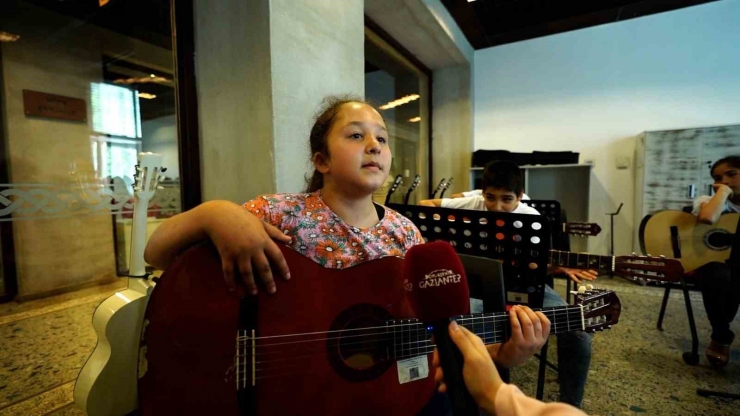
(412, 338)
(137, 266)
(582, 261)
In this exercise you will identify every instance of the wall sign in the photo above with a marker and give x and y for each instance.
(40, 104)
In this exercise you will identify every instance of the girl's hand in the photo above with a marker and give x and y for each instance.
(248, 243)
(578, 275)
(720, 188)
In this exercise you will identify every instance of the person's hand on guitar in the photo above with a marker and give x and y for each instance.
(247, 244)
(577, 275)
(529, 332)
(244, 242)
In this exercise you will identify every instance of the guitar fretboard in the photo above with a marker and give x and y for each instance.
(581, 261)
(412, 338)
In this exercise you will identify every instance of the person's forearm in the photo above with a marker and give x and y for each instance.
(431, 202)
(493, 351)
(711, 211)
(178, 233)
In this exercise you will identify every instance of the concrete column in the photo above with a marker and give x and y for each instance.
(263, 67)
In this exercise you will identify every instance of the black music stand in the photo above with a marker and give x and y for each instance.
(520, 241)
(734, 263)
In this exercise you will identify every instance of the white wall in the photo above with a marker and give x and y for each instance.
(593, 90)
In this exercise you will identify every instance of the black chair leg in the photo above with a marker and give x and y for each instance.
(692, 357)
(662, 308)
(548, 363)
(710, 393)
(541, 372)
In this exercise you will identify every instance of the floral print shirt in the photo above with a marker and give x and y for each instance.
(319, 234)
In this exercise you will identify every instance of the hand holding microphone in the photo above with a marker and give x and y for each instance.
(479, 373)
(439, 292)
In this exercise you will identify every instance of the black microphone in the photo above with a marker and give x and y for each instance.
(439, 292)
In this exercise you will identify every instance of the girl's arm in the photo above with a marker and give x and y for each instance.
(710, 211)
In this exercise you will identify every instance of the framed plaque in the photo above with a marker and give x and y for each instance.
(41, 104)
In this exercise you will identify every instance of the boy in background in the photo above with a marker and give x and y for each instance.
(502, 190)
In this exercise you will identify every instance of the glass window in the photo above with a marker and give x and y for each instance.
(400, 89)
(84, 87)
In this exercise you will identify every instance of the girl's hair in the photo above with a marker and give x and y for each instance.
(733, 161)
(324, 121)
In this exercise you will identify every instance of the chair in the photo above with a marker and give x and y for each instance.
(689, 357)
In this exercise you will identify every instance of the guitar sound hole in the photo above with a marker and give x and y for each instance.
(718, 240)
(355, 352)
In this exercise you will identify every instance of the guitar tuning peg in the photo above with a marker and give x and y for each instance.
(582, 289)
(163, 170)
(137, 188)
(160, 187)
(662, 256)
(589, 287)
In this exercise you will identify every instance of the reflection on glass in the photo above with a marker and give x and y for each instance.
(399, 90)
(68, 194)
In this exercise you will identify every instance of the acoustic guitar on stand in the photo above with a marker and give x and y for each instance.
(396, 183)
(107, 383)
(679, 235)
(413, 186)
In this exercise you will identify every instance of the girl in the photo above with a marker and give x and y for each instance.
(720, 289)
(335, 222)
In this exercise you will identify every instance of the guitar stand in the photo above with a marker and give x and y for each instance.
(611, 245)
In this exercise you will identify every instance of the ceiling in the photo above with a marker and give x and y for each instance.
(487, 23)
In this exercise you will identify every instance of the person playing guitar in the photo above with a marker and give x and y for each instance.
(720, 290)
(335, 222)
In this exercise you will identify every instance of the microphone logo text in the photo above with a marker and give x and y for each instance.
(439, 277)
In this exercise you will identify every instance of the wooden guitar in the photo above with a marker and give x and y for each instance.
(396, 183)
(678, 235)
(413, 186)
(637, 267)
(438, 188)
(106, 384)
(330, 342)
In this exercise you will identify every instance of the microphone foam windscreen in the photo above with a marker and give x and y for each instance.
(439, 288)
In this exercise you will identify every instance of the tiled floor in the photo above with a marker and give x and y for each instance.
(635, 369)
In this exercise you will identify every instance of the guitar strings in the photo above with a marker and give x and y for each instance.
(556, 313)
(415, 330)
(410, 352)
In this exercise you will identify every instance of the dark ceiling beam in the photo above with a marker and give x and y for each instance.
(487, 23)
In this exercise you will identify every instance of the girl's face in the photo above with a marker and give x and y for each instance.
(727, 175)
(359, 158)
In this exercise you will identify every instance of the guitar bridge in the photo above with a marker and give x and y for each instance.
(245, 360)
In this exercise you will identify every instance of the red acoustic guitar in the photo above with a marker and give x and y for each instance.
(330, 342)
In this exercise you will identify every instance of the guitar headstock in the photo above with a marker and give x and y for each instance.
(447, 185)
(649, 267)
(582, 228)
(601, 308)
(439, 187)
(415, 183)
(396, 183)
(147, 175)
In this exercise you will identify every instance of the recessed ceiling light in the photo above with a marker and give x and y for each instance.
(147, 96)
(415, 119)
(400, 101)
(8, 37)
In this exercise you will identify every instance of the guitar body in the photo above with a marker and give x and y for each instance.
(670, 233)
(107, 383)
(193, 363)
